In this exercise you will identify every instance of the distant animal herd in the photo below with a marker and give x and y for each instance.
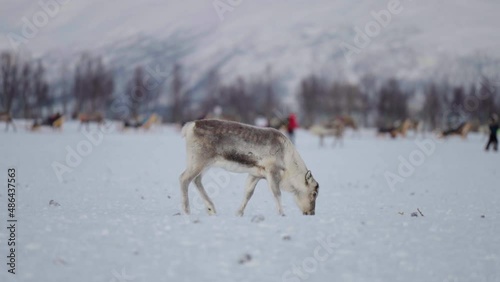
(335, 127)
(56, 122)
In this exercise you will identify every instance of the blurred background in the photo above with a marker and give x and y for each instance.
(378, 62)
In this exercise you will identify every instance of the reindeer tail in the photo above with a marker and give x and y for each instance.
(187, 127)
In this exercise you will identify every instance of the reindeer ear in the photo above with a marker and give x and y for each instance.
(308, 176)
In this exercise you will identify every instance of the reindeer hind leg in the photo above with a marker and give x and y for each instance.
(185, 179)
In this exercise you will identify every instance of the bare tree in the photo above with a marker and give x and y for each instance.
(136, 92)
(153, 91)
(334, 102)
(26, 90)
(368, 86)
(179, 99)
(392, 103)
(343, 98)
(102, 86)
(93, 84)
(487, 97)
(310, 95)
(237, 102)
(432, 105)
(9, 68)
(41, 90)
(271, 101)
(64, 88)
(213, 91)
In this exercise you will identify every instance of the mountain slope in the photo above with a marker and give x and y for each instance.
(425, 39)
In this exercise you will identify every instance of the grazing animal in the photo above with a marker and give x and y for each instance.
(462, 130)
(350, 122)
(278, 124)
(397, 129)
(54, 121)
(6, 117)
(335, 128)
(86, 119)
(145, 124)
(263, 153)
(416, 126)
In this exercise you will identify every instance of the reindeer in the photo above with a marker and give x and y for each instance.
(86, 119)
(54, 121)
(6, 117)
(397, 129)
(335, 128)
(263, 153)
(350, 122)
(462, 130)
(145, 124)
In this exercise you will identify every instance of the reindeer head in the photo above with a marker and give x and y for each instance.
(306, 196)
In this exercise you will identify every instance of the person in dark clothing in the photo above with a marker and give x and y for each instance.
(493, 140)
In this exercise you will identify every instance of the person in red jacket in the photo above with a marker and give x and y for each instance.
(292, 125)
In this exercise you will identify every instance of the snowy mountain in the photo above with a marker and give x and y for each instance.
(414, 40)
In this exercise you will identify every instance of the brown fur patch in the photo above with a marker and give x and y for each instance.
(225, 131)
(244, 159)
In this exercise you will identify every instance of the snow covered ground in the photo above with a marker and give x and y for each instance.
(118, 214)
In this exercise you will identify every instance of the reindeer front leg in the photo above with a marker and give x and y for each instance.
(273, 179)
(249, 189)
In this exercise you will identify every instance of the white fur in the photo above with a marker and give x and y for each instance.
(283, 168)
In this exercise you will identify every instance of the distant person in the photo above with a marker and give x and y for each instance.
(493, 133)
(292, 125)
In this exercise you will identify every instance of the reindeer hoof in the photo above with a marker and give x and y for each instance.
(211, 211)
(239, 213)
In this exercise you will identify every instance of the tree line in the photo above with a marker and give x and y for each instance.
(90, 87)
(380, 103)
